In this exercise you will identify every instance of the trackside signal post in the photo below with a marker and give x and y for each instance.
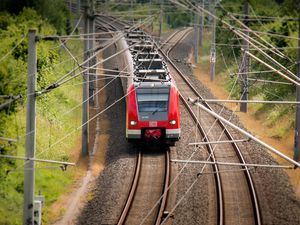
(245, 64)
(196, 35)
(161, 17)
(29, 173)
(213, 41)
(297, 126)
(85, 88)
(201, 27)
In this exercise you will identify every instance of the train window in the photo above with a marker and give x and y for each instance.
(153, 106)
(150, 102)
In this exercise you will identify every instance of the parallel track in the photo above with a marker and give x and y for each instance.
(230, 185)
(231, 209)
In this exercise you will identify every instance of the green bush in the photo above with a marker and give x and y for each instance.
(51, 124)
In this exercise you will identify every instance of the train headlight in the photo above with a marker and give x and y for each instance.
(172, 122)
(133, 122)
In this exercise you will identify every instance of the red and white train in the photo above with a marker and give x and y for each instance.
(152, 101)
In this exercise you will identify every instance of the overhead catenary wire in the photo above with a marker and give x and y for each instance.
(8, 139)
(10, 101)
(296, 164)
(256, 33)
(12, 49)
(272, 68)
(37, 160)
(80, 83)
(254, 165)
(63, 79)
(87, 68)
(269, 81)
(186, 192)
(59, 81)
(248, 101)
(73, 131)
(240, 34)
(30, 132)
(179, 200)
(76, 129)
(69, 52)
(180, 172)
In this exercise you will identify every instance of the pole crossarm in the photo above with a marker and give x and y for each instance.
(270, 148)
(8, 139)
(11, 99)
(269, 81)
(232, 164)
(218, 142)
(10, 96)
(37, 160)
(248, 101)
(272, 68)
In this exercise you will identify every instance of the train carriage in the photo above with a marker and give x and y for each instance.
(152, 101)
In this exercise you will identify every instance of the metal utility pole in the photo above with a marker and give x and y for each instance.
(201, 24)
(297, 127)
(78, 7)
(91, 46)
(161, 17)
(85, 89)
(196, 35)
(131, 11)
(70, 5)
(28, 211)
(245, 63)
(213, 42)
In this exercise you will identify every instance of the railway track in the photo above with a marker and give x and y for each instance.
(147, 198)
(150, 182)
(236, 195)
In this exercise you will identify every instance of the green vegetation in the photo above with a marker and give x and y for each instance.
(173, 16)
(54, 121)
(55, 13)
(282, 19)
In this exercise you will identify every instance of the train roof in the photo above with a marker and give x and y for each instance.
(149, 66)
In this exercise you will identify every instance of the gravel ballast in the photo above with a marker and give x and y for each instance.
(278, 202)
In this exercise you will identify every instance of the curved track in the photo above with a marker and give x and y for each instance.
(150, 182)
(237, 197)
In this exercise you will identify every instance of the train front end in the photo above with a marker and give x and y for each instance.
(153, 113)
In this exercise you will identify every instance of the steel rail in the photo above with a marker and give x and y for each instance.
(130, 199)
(248, 176)
(215, 167)
(132, 190)
(168, 39)
(163, 203)
(183, 33)
(213, 160)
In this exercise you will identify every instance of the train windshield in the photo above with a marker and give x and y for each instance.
(153, 101)
(150, 103)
